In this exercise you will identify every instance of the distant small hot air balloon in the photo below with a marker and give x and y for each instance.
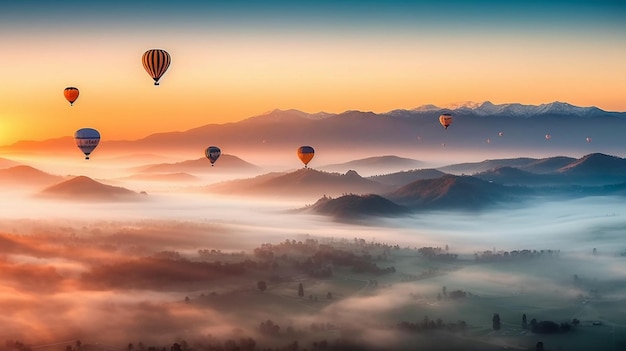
(548, 136)
(156, 62)
(306, 153)
(588, 139)
(500, 133)
(212, 153)
(71, 94)
(488, 141)
(445, 119)
(87, 139)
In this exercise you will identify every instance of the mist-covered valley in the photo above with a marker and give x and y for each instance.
(116, 261)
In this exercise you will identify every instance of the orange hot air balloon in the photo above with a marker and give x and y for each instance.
(71, 94)
(306, 153)
(156, 62)
(445, 119)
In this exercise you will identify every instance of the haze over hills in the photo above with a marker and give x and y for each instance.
(303, 182)
(6, 163)
(418, 130)
(450, 191)
(226, 163)
(374, 165)
(405, 177)
(27, 176)
(84, 188)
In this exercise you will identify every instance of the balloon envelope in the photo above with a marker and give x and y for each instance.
(71, 94)
(548, 136)
(156, 62)
(305, 154)
(445, 120)
(588, 139)
(212, 153)
(87, 139)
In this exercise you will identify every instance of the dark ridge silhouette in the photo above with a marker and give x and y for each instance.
(354, 206)
(596, 165)
(6, 163)
(450, 191)
(226, 163)
(387, 163)
(303, 182)
(27, 176)
(405, 177)
(85, 188)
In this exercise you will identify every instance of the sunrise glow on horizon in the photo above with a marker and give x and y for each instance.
(231, 62)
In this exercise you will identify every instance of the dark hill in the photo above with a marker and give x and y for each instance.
(303, 182)
(461, 192)
(353, 206)
(85, 188)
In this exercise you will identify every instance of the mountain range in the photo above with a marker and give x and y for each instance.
(522, 127)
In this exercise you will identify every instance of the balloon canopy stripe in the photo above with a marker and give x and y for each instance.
(156, 62)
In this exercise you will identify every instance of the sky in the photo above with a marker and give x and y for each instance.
(237, 59)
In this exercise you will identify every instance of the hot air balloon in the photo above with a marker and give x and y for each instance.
(500, 133)
(156, 62)
(212, 153)
(488, 141)
(306, 153)
(588, 139)
(87, 139)
(71, 94)
(548, 136)
(445, 120)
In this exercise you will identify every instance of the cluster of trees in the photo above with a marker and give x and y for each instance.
(491, 256)
(431, 324)
(436, 254)
(548, 327)
(453, 295)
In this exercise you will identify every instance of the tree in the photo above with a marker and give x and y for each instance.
(524, 322)
(261, 285)
(539, 346)
(445, 291)
(300, 290)
(329, 296)
(496, 321)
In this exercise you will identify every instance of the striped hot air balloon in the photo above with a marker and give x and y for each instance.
(305, 154)
(71, 94)
(156, 62)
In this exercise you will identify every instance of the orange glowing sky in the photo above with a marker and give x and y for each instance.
(232, 66)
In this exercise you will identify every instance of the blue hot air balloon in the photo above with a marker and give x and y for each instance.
(87, 139)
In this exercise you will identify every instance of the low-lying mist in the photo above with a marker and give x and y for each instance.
(176, 267)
